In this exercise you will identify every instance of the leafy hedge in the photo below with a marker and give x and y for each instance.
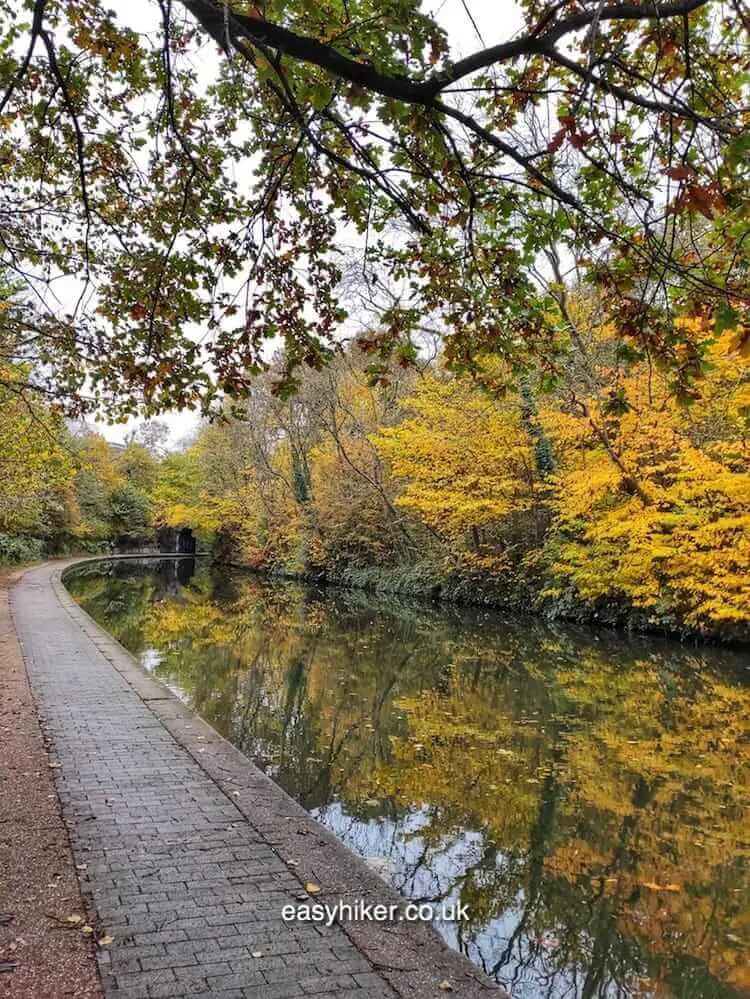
(19, 548)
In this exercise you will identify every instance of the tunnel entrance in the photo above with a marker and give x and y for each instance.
(182, 542)
(186, 542)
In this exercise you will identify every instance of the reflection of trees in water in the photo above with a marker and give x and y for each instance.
(584, 796)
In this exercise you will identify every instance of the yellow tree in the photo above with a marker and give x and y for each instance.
(657, 516)
(35, 461)
(467, 466)
(97, 478)
(355, 517)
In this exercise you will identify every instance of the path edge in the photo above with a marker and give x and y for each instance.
(412, 957)
(17, 574)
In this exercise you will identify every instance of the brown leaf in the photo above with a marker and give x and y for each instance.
(680, 172)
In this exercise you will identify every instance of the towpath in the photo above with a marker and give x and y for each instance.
(188, 854)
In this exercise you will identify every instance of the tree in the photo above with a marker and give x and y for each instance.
(36, 459)
(130, 513)
(151, 435)
(97, 477)
(139, 466)
(36, 463)
(614, 133)
(468, 468)
(658, 512)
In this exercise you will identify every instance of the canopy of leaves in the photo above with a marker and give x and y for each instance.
(185, 186)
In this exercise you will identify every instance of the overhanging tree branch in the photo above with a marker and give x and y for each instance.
(218, 21)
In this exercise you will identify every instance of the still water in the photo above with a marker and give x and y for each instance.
(585, 795)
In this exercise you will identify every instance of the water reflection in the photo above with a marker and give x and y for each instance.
(585, 795)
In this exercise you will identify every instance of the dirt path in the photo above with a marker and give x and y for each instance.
(41, 957)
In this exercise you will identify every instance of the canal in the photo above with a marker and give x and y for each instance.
(584, 794)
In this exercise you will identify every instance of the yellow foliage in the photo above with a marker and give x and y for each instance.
(36, 468)
(661, 517)
(465, 461)
(613, 495)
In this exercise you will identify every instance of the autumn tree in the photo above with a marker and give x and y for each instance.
(36, 464)
(466, 466)
(652, 500)
(151, 435)
(191, 182)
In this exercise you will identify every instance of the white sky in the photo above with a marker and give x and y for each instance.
(496, 20)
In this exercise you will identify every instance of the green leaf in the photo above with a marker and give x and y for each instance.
(726, 318)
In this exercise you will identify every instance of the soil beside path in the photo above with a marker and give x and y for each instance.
(40, 957)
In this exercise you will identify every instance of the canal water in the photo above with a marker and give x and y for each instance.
(585, 795)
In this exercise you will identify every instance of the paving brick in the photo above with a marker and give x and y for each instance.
(176, 874)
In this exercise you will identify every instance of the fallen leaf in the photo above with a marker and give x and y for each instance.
(104, 941)
(74, 920)
(311, 888)
(257, 953)
(446, 986)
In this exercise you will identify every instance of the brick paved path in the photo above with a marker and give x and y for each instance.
(188, 876)
(186, 887)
